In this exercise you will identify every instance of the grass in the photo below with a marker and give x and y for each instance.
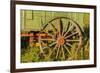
(33, 54)
(30, 55)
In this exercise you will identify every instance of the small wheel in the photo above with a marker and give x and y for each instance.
(62, 34)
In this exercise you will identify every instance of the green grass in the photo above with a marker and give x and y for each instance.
(30, 55)
(33, 54)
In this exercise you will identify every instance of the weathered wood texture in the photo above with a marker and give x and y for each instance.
(34, 20)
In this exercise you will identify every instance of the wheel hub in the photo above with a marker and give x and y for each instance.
(60, 41)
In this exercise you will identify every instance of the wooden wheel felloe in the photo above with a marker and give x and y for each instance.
(62, 34)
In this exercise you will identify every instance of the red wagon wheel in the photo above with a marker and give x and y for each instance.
(62, 34)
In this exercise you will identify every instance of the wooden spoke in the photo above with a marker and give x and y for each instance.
(67, 49)
(57, 51)
(68, 26)
(45, 47)
(72, 40)
(53, 50)
(60, 26)
(68, 30)
(71, 35)
(43, 43)
(63, 55)
(65, 28)
(53, 27)
(52, 44)
(68, 44)
(41, 49)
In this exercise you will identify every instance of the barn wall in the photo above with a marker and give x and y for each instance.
(33, 20)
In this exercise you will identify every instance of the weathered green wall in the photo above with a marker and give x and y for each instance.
(32, 20)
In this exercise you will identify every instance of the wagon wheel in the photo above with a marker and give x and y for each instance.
(62, 34)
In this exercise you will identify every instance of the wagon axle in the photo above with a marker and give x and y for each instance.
(60, 41)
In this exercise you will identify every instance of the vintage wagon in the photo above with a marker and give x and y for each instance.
(58, 33)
